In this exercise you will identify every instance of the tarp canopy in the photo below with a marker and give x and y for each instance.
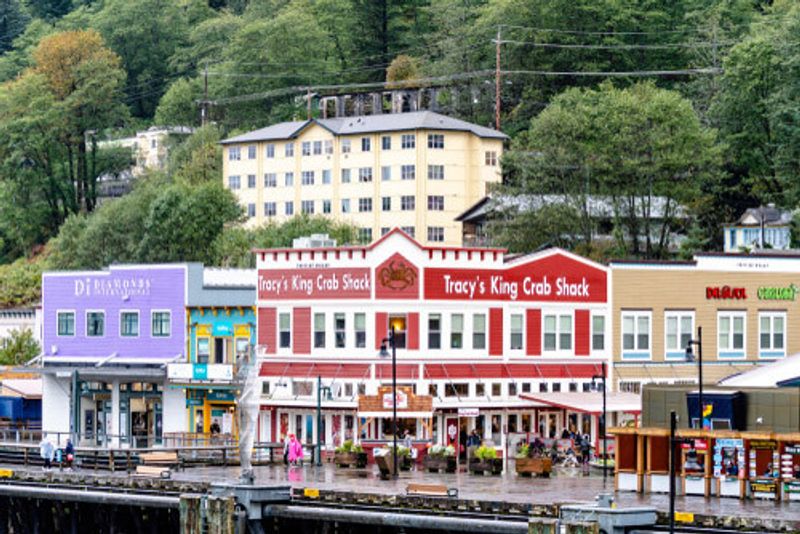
(783, 372)
(588, 402)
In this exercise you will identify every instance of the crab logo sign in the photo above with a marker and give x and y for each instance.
(397, 278)
(402, 400)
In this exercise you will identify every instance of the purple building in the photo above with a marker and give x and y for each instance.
(107, 337)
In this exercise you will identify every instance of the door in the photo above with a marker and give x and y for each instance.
(264, 426)
(451, 431)
(219, 350)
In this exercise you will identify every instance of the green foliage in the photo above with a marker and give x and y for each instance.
(524, 451)
(177, 106)
(18, 348)
(485, 452)
(20, 281)
(348, 447)
(13, 21)
(441, 451)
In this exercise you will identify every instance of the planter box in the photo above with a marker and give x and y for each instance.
(437, 464)
(350, 459)
(534, 466)
(493, 466)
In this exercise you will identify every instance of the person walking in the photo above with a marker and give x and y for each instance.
(69, 451)
(295, 451)
(46, 451)
(287, 444)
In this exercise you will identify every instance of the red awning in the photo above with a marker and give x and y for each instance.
(486, 371)
(310, 369)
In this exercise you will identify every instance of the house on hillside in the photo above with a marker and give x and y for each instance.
(759, 228)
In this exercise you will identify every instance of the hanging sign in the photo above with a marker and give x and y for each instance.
(401, 399)
(778, 293)
(468, 412)
(726, 293)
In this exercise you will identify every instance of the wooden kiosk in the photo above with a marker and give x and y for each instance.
(628, 458)
(695, 462)
(729, 475)
(763, 461)
(789, 448)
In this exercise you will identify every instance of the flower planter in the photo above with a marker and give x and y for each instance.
(435, 464)
(405, 463)
(350, 459)
(534, 466)
(493, 466)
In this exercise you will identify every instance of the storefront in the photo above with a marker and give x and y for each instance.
(474, 330)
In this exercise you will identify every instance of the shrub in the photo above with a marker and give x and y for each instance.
(348, 446)
(524, 451)
(484, 453)
(440, 451)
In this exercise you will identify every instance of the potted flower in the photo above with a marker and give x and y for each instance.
(485, 459)
(404, 458)
(350, 455)
(529, 462)
(440, 458)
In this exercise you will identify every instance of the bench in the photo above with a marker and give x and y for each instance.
(152, 471)
(431, 490)
(166, 459)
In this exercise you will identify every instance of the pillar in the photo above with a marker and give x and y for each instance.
(114, 429)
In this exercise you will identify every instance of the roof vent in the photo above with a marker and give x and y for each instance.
(314, 241)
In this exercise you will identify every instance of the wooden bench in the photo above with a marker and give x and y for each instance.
(152, 471)
(431, 490)
(166, 458)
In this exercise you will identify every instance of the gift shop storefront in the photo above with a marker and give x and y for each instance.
(478, 335)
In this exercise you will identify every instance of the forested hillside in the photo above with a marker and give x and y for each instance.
(695, 101)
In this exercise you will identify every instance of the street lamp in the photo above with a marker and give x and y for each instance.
(390, 341)
(602, 378)
(690, 357)
(328, 396)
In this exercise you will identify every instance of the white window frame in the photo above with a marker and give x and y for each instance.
(512, 332)
(592, 332)
(74, 323)
(86, 323)
(171, 323)
(770, 352)
(278, 320)
(138, 323)
(636, 353)
(558, 314)
(731, 353)
(679, 352)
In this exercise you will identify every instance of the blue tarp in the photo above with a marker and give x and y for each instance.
(19, 409)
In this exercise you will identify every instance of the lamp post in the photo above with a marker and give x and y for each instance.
(690, 357)
(383, 354)
(602, 378)
(320, 389)
(672, 425)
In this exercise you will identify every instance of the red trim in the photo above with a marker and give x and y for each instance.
(412, 331)
(383, 371)
(267, 329)
(495, 331)
(310, 370)
(301, 331)
(381, 327)
(533, 329)
(582, 335)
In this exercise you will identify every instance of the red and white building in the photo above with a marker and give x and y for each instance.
(503, 343)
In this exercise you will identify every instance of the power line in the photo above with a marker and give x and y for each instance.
(615, 46)
(608, 32)
(610, 74)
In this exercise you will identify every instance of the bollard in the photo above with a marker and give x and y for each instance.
(543, 525)
(581, 527)
(191, 517)
(220, 515)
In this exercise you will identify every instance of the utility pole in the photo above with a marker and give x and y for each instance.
(308, 103)
(497, 81)
(204, 105)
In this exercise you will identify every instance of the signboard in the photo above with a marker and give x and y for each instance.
(396, 278)
(729, 457)
(697, 444)
(330, 283)
(468, 412)
(402, 400)
(556, 278)
(726, 293)
(200, 372)
(777, 293)
(120, 286)
(791, 487)
(194, 402)
(764, 485)
(220, 396)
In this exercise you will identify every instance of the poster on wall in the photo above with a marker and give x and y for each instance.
(729, 458)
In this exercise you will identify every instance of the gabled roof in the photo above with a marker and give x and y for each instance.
(768, 375)
(415, 120)
(768, 215)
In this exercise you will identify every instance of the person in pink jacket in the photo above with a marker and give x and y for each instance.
(295, 451)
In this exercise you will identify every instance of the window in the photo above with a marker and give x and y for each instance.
(319, 330)
(543, 387)
(348, 392)
(306, 148)
(398, 324)
(407, 202)
(409, 230)
(203, 350)
(386, 142)
(480, 390)
(270, 179)
(435, 203)
(234, 182)
(479, 331)
(557, 387)
(678, 332)
(303, 388)
(386, 173)
(317, 148)
(435, 141)
(384, 230)
(458, 389)
(339, 329)
(251, 210)
(345, 205)
(516, 331)
(598, 332)
(284, 330)
(345, 176)
(288, 179)
(457, 331)
(526, 387)
(365, 235)
(435, 172)
(288, 208)
(771, 338)
(407, 172)
(345, 146)
(288, 150)
(265, 388)
(636, 335)
(95, 323)
(491, 158)
(365, 174)
(307, 207)
(435, 331)
(129, 324)
(161, 326)
(66, 323)
(557, 332)
(270, 209)
(234, 153)
(360, 324)
(386, 203)
(326, 176)
(328, 147)
(408, 141)
(433, 391)
(326, 206)
(497, 389)
(512, 390)
(436, 234)
(251, 181)
(573, 387)
(366, 144)
(307, 177)
(364, 204)
(731, 334)
(251, 152)
(270, 152)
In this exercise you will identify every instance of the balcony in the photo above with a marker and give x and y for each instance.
(200, 373)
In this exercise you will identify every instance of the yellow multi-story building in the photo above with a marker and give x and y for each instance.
(417, 171)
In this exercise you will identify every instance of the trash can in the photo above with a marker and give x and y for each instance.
(385, 462)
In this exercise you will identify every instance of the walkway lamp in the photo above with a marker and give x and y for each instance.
(602, 379)
(690, 358)
(327, 391)
(384, 353)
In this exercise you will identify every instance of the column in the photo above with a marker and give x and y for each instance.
(113, 429)
(504, 439)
